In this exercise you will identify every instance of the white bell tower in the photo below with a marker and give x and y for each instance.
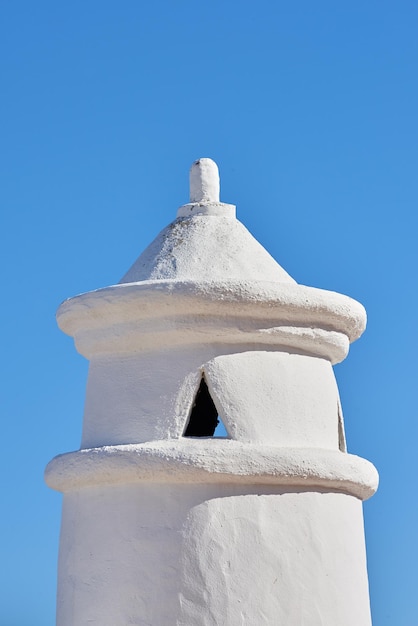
(164, 524)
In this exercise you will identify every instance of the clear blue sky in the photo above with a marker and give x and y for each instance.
(310, 110)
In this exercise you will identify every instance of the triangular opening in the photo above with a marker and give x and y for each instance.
(204, 419)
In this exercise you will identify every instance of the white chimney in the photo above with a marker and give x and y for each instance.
(165, 524)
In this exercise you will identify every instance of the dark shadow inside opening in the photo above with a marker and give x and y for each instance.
(204, 415)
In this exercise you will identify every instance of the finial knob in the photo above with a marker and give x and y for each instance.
(204, 181)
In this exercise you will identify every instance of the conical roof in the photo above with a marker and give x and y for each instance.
(206, 241)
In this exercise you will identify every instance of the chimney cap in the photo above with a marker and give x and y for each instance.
(204, 181)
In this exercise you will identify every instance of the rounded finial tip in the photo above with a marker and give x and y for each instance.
(204, 181)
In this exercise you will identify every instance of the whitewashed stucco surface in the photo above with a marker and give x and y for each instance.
(263, 527)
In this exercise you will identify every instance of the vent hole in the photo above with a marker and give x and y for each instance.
(204, 415)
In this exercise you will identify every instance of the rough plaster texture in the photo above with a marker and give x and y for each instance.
(263, 527)
(276, 398)
(273, 397)
(211, 555)
(157, 314)
(206, 241)
(205, 246)
(213, 461)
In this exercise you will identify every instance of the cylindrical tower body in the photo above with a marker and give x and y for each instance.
(263, 526)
